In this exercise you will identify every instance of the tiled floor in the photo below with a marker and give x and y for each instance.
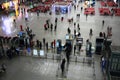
(30, 68)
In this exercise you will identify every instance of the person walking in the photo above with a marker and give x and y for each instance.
(63, 66)
(14, 21)
(68, 49)
(50, 13)
(103, 63)
(91, 32)
(24, 10)
(37, 13)
(45, 26)
(21, 28)
(81, 9)
(55, 27)
(68, 56)
(103, 22)
(111, 30)
(74, 49)
(69, 31)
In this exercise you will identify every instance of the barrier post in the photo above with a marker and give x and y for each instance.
(83, 60)
(53, 56)
(46, 56)
(76, 59)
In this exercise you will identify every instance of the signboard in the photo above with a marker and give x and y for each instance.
(41, 53)
(35, 52)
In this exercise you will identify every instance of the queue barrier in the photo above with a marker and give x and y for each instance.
(53, 56)
(81, 59)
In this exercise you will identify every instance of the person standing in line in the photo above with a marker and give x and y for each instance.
(14, 20)
(54, 42)
(45, 26)
(87, 47)
(74, 7)
(100, 34)
(104, 35)
(110, 30)
(62, 18)
(47, 22)
(37, 43)
(75, 33)
(56, 20)
(79, 34)
(40, 44)
(63, 66)
(55, 27)
(72, 19)
(78, 26)
(44, 41)
(74, 24)
(24, 10)
(80, 47)
(47, 46)
(90, 48)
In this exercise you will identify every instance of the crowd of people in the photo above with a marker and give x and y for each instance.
(48, 25)
(28, 42)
